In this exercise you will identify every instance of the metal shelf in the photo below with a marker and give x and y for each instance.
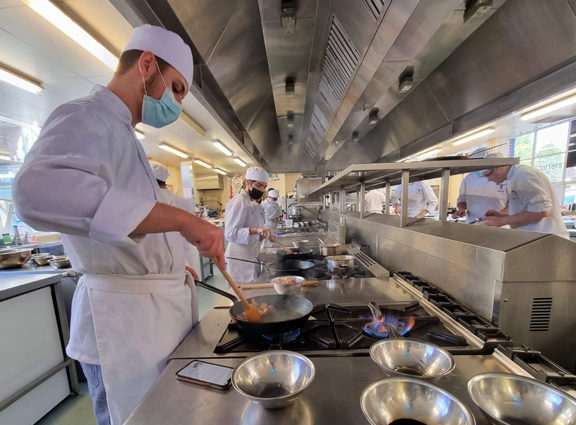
(361, 177)
(376, 175)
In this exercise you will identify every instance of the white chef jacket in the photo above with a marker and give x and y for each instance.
(242, 213)
(87, 176)
(375, 200)
(530, 190)
(481, 195)
(271, 211)
(420, 197)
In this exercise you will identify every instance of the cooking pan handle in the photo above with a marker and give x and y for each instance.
(215, 290)
(247, 261)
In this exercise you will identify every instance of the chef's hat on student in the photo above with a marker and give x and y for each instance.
(273, 193)
(257, 174)
(160, 172)
(165, 44)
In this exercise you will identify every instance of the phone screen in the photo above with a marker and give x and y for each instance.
(210, 373)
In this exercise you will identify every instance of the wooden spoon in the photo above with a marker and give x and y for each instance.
(252, 313)
(285, 247)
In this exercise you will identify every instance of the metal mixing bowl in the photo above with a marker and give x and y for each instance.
(287, 288)
(411, 358)
(60, 261)
(340, 263)
(515, 400)
(12, 258)
(41, 259)
(408, 398)
(273, 379)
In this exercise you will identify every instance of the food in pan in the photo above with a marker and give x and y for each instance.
(262, 309)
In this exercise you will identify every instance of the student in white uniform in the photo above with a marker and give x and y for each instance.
(244, 226)
(421, 199)
(375, 201)
(191, 257)
(478, 195)
(532, 202)
(272, 211)
(87, 177)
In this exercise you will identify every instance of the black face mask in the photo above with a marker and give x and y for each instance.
(255, 193)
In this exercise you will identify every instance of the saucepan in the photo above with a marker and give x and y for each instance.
(340, 263)
(287, 267)
(288, 312)
(331, 249)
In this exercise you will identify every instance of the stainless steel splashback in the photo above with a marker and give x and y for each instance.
(524, 282)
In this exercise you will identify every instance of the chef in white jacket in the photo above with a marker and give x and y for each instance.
(375, 200)
(244, 226)
(272, 211)
(477, 194)
(532, 202)
(87, 176)
(191, 253)
(421, 199)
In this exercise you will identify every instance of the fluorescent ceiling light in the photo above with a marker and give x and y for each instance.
(140, 134)
(239, 161)
(5, 158)
(550, 105)
(186, 119)
(173, 150)
(472, 135)
(202, 163)
(16, 80)
(219, 171)
(57, 18)
(222, 148)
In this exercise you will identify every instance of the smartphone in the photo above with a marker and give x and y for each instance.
(205, 373)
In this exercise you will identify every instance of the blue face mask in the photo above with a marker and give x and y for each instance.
(160, 112)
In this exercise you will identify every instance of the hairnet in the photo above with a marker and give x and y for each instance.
(160, 172)
(273, 193)
(257, 174)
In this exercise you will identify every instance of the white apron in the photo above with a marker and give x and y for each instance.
(138, 322)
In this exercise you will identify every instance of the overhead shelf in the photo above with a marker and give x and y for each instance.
(377, 175)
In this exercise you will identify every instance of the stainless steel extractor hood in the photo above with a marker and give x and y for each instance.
(295, 79)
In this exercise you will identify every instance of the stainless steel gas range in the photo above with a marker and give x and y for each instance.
(334, 339)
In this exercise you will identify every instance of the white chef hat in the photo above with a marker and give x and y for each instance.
(257, 174)
(273, 193)
(160, 172)
(166, 45)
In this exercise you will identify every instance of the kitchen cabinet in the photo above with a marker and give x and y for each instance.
(35, 372)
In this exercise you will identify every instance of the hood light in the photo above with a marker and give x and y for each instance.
(288, 15)
(373, 116)
(173, 150)
(239, 162)
(550, 105)
(290, 119)
(290, 139)
(289, 86)
(55, 16)
(222, 148)
(219, 171)
(406, 80)
(5, 158)
(472, 135)
(202, 163)
(19, 81)
(355, 136)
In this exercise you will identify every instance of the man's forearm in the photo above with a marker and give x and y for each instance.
(525, 217)
(163, 218)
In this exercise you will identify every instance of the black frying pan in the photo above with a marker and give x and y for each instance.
(287, 267)
(290, 312)
(296, 254)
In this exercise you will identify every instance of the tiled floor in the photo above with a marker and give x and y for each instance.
(77, 410)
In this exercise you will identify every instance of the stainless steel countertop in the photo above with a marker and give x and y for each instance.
(14, 284)
(333, 398)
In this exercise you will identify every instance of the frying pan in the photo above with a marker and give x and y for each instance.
(297, 254)
(287, 267)
(290, 312)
